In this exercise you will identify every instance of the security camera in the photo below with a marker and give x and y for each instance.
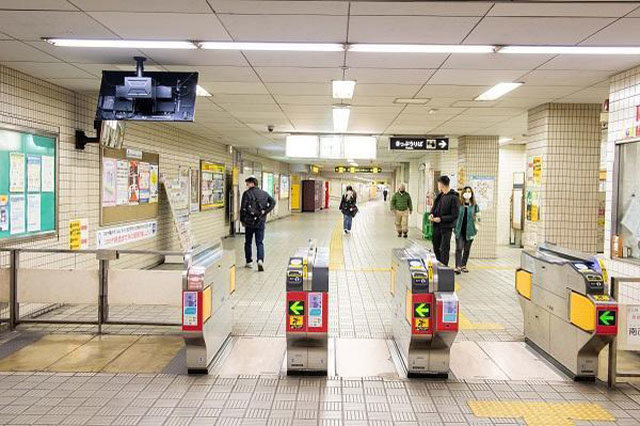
(270, 128)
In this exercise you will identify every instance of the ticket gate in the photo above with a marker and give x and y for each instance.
(425, 322)
(568, 314)
(307, 305)
(206, 309)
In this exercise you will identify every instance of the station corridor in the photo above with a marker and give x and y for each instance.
(495, 378)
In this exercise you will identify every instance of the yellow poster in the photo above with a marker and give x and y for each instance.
(537, 171)
(78, 234)
(295, 192)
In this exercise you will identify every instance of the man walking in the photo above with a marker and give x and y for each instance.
(385, 193)
(444, 215)
(254, 207)
(402, 206)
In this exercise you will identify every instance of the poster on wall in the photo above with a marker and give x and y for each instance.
(537, 170)
(16, 205)
(284, 186)
(109, 181)
(181, 200)
(134, 188)
(78, 234)
(48, 173)
(144, 179)
(33, 173)
(153, 183)
(16, 172)
(33, 213)
(119, 235)
(483, 188)
(4, 213)
(194, 201)
(211, 185)
(122, 183)
(532, 203)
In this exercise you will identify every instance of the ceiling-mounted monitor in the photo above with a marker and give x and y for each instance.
(147, 96)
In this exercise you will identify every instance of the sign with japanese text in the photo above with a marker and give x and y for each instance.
(418, 143)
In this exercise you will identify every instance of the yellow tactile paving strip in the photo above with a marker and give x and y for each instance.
(89, 353)
(542, 413)
(466, 324)
(336, 255)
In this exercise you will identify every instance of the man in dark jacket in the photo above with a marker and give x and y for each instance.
(254, 207)
(444, 215)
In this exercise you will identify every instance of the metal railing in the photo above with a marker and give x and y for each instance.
(104, 258)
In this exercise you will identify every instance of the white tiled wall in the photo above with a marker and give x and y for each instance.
(512, 158)
(29, 102)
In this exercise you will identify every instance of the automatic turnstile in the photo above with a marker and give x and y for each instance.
(425, 322)
(568, 314)
(307, 305)
(206, 309)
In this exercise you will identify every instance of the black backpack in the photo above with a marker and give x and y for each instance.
(253, 212)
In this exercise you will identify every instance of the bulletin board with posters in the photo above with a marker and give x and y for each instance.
(211, 185)
(28, 183)
(128, 185)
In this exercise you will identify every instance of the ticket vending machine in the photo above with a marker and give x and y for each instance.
(568, 313)
(307, 308)
(425, 322)
(206, 307)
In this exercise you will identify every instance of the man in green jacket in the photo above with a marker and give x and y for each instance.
(402, 207)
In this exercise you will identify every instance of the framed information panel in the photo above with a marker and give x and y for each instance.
(211, 185)
(128, 185)
(28, 183)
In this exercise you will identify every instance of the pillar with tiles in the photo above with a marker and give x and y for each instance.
(565, 140)
(478, 168)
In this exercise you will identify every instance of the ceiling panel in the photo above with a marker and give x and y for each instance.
(297, 28)
(591, 62)
(224, 99)
(88, 55)
(37, 5)
(165, 26)
(475, 77)
(300, 88)
(304, 100)
(492, 61)
(625, 32)
(393, 76)
(409, 29)
(234, 88)
(299, 75)
(552, 31)
(590, 95)
(220, 73)
(34, 25)
(78, 84)
(250, 108)
(181, 6)
(434, 8)
(49, 70)
(578, 9)
(196, 57)
(560, 77)
(11, 50)
(541, 92)
(395, 60)
(308, 110)
(295, 59)
(396, 90)
(451, 91)
(266, 7)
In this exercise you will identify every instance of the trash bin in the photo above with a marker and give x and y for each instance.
(427, 227)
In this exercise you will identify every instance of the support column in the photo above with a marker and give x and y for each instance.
(563, 157)
(478, 168)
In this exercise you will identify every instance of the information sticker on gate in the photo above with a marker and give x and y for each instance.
(296, 321)
(422, 324)
(315, 310)
(190, 308)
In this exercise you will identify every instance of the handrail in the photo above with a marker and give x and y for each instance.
(96, 251)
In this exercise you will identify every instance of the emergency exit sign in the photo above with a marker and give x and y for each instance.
(418, 143)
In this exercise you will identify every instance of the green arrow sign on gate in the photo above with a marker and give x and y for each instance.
(296, 307)
(421, 310)
(606, 318)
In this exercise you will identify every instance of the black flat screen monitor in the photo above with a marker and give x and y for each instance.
(156, 96)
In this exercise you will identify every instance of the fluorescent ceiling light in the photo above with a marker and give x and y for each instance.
(498, 91)
(572, 50)
(360, 147)
(420, 48)
(201, 91)
(331, 147)
(415, 101)
(125, 44)
(292, 47)
(343, 89)
(341, 119)
(302, 146)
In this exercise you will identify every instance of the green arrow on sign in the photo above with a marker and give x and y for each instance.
(606, 317)
(421, 309)
(296, 308)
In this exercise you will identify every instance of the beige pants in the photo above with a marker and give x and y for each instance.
(402, 220)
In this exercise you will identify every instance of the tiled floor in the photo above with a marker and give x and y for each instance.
(360, 309)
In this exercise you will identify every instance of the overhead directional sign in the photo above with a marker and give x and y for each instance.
(296, 307)
(418, 143)
(606, 318)
(421, 310)
(352, 169)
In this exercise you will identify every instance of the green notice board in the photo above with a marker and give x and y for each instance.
(28, 184)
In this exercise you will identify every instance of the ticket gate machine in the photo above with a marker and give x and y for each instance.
(307, 305)
(425, 322)
(206, 309)
(568, 314)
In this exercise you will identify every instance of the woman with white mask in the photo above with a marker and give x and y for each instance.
(466, 228)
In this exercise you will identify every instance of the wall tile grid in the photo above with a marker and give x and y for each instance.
(478, 156)
(30, 102)
(512, 158)
(568, 138)
(623, 97)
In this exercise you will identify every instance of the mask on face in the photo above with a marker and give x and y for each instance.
(467, 195)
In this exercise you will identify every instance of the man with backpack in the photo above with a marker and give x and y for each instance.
(254, 207)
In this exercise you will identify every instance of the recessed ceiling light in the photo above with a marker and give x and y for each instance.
(343, 89)
(414, 101)
(433, 111)
(201, 91)
(292, 47)
(420, 48)
(498, 91)
(124, 44)
(572, 50)
(341, 119)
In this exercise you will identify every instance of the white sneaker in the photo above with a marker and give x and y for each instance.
(248, 265)
(260, 266)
